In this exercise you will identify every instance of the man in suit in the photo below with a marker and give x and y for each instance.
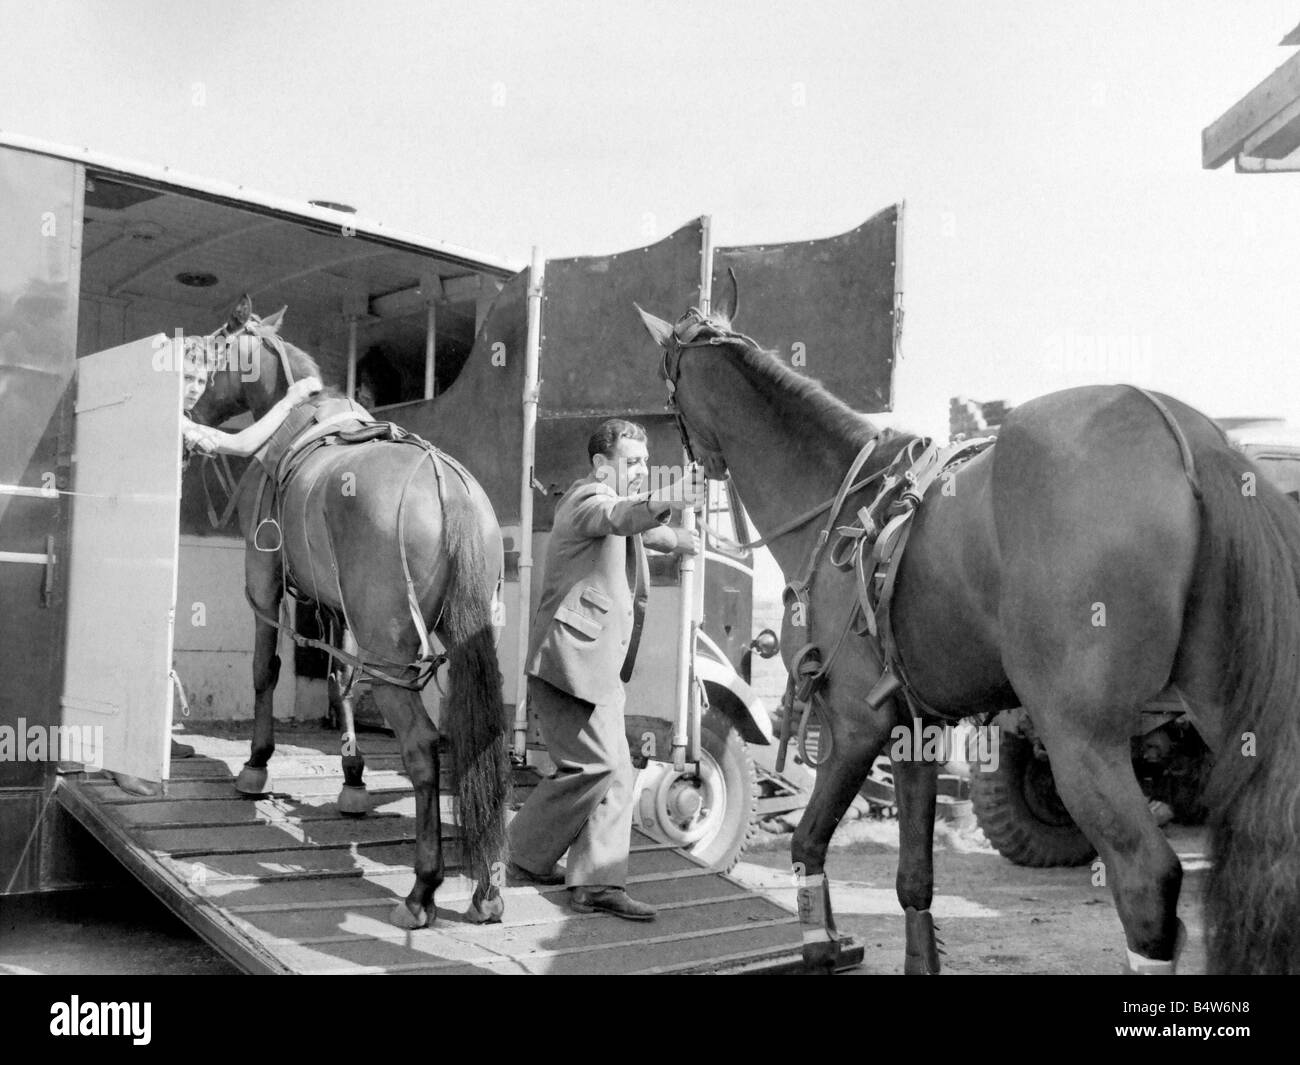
(582, 649)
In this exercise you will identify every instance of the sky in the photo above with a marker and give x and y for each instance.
(1059, 228)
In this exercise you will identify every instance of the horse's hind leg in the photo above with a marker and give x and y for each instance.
(262, 581)
(406, 716)
(354, 800)
(1102, 794)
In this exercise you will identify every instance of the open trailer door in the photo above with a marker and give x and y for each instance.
(597, 363)
(831, 308)
(117, 694)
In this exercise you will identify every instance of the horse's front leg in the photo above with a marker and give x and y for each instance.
(405, 714)
(855, 746)
(916, 785)
(265, 591)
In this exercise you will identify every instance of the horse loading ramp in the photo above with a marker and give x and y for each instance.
(285, 884)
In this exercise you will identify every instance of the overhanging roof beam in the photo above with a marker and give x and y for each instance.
(1226, 136)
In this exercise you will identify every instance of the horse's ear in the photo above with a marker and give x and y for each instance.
(729, 306)
(243, 311)
(273, 321)
(657, 327)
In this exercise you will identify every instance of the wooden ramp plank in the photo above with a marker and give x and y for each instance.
(284, 883)
(305, 863)
(531, 922)
(295, 767)
(265, 837)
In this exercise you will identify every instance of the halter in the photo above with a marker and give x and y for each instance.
(688, 333)
(252, 326)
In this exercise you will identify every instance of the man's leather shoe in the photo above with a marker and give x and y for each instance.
(182, 750)
(609, 900)
(551, 879)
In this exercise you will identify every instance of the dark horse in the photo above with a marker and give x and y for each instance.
(1070, 569)
(353, 521)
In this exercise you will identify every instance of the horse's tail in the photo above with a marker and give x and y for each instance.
(474, 715)
(1251, 535)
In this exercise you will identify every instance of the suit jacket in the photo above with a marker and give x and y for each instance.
(588, 619)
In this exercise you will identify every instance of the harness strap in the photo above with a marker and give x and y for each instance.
(226, 481)
(728, 544)
(875, 553)
(432, 654)
(415, 684)
(1184, 448)
(412, 601)
(798, 589)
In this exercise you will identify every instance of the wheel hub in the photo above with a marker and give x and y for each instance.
(684, 809)
(686, 802)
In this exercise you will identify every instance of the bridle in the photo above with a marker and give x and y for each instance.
(694, 329)
(225, 478)
(252, 326)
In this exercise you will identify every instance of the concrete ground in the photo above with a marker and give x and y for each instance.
(994, 917)
(117, 930)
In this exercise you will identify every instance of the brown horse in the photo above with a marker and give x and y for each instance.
(1077, 568)
(353, 521)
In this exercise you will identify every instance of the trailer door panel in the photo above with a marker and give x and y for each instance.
(125, 543)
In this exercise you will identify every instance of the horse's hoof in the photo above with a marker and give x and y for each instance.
(136, 786)
(251, 780)
(488, 911)
(354, 801)
(405, 919)
(821, 956)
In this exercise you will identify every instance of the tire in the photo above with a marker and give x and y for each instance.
(732, 781)
(1022, 815)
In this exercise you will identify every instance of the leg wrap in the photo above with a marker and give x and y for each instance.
(922, 957)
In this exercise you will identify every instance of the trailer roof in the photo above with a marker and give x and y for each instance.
(166, 178)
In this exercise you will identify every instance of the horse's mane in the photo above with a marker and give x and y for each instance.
(794, 395)
(303, 365)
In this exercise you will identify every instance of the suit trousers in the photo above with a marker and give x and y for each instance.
(585, 806)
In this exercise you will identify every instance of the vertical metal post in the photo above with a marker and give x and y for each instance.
(430, 348)
(686, 729)
(352, 357)
(687, 704)
(532, 352)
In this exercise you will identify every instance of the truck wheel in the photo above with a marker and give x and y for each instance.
(1021, 813)
(714, 815)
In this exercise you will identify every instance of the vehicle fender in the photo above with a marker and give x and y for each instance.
(729, 693)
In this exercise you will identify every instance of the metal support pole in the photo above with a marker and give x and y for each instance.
(686, 731)
(430, 348)
(688, 707)
(532, 352)
(352, 357)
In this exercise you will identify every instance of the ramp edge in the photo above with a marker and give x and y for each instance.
(197, 913)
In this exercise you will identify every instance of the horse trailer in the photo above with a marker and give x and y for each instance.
(122, 584)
